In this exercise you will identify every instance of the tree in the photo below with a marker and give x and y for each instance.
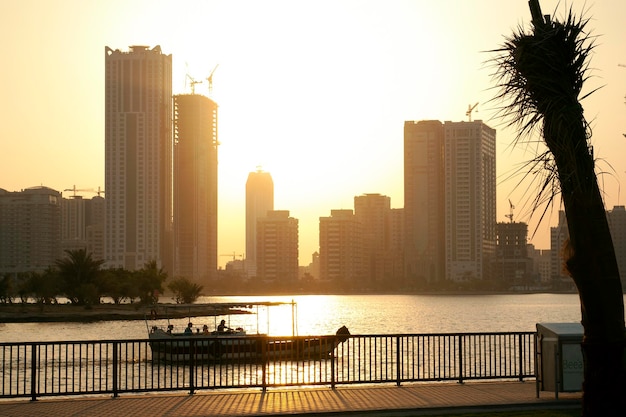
(540, 75)
(185, 291)
(118, 284)
(150, 281)
(79, 273)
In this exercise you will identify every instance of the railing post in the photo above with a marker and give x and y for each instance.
(192, 365)
(332, 364)
(398, 363)
(264, 361)
(33, 373)
(521, 357)
(116, 383)
(461, 367)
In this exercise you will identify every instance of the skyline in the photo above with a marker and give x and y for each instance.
(316, 93)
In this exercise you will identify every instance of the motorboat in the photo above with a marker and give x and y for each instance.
(239, 345)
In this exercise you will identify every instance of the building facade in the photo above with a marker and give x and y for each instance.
(195, 187)
(259, 201)
(470, 200)
(559, 235)
(373, 212)
(82, 225)
(341, 247)
(424, 260)
(138, 158)
(513, 267)
(617, 224)
(277, 247)
(30, 229)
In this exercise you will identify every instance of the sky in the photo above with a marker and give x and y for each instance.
(314, 92)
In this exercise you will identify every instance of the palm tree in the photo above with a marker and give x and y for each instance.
(79, 272)
(540, 75)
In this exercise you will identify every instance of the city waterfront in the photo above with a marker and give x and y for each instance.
(324, 314)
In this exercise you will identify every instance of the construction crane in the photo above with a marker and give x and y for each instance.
(89, 190)
(234, 255)
(210, 80)
(192, 83)
(511, 208)
(469, 111)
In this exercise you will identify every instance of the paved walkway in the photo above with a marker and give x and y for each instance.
(380, 400)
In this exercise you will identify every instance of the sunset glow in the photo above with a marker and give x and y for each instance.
(315, 92)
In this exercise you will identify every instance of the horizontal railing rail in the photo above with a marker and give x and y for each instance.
(39, 369)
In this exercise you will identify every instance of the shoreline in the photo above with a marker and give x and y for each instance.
(35, 313)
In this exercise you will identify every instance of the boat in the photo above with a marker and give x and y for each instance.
(238, 345)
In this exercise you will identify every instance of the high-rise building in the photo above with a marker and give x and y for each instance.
(341, 247)
(470, 200)
(259, 200)
(373, 211)
(195, 187)
(277, 247)
(138, 158)
(512, 266)
(424, 202)
(82, 225)
(94, 220)
(559, 236)
(617, 224)
(30, 229)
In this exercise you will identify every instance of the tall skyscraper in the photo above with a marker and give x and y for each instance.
(138, 157)
(424, 252)
(470, 200)
(259, 200)
(195, 187)
(277, 247)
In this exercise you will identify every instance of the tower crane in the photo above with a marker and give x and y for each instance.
(90, 190)
(210, 80)
(192, 83)
(234, 255)
(469, 111)
(511, 208)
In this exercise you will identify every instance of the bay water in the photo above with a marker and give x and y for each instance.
(324, 314)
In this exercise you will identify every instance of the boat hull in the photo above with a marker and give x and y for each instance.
(241, 347)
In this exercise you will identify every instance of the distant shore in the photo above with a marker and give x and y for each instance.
(32, 313)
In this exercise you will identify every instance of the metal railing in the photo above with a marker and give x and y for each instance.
(37, 369)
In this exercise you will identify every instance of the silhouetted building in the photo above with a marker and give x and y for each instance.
(373, 211)
(617, 224)
(259, 200)
(277, 247)
(470, 200)
(195, 187)
(341, 247)
(512, 265)
(558, 237)
(94, 220)
(138, 157)
(424, 201)
(82, 225)
(30, 229)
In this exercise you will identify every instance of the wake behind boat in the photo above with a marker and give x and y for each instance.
(227, 344)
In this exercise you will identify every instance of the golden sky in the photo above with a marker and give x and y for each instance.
(315, 92)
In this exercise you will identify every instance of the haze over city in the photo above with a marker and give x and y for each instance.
(314, 92)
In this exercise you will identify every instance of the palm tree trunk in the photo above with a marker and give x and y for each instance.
(592, 264)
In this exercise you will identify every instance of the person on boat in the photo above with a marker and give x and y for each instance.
(223, 327)
(170, 328)
(205, 329)
(189, 328)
